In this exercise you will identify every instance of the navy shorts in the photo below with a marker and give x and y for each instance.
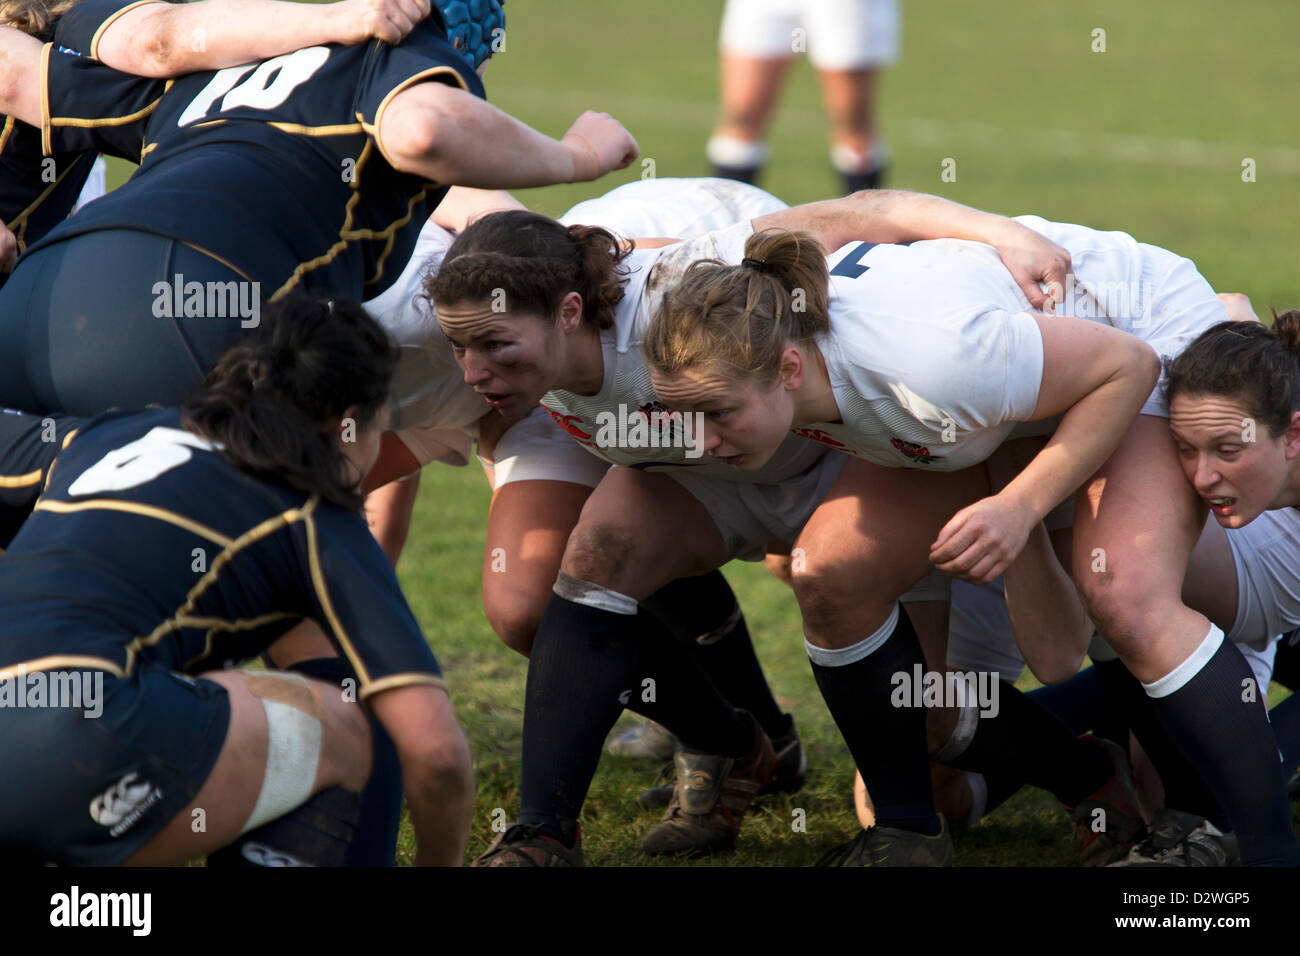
(91, 323)
(86, 790)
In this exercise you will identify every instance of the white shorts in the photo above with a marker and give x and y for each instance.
(537, 449)
(96, 183)
(749, 515)
(979, 631)
(836, 34)
(673, 208)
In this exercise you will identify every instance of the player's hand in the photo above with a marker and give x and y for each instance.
(982, 539)
(599, 145)
(387, 20)
(8, 249)
(1034, 259)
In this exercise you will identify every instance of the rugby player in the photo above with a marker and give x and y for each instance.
(364, 139)
(161, 40)
(867, 379)
(594, 646)
(169, 545)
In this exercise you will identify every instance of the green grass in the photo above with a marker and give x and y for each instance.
(1148, 137)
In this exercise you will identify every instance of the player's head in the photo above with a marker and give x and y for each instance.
(304, 396)
(1234, 409)
(515, 292)
(735, 342)
(475, 27)
(33, 16)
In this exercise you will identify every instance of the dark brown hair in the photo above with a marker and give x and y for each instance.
(273, 399)
(1247, 361)
(737, 320)
(535, 262)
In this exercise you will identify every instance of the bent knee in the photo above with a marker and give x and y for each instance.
(600, 552)
(515, 622)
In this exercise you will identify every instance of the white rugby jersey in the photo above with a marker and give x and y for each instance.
(605, 423)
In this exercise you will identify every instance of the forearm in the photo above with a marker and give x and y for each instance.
(461, 206)
(891, 215)
(166, 40)
(442, 811)
(444, 141)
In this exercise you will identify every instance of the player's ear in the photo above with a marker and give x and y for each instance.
(792, 368)
(1292, 436)
(569, 317)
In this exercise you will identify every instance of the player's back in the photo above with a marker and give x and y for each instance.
(274, 167)
(148, 545)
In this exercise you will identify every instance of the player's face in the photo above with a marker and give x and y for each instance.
(743, 422)
(360, 442)
(511, 359)
(1234, 464)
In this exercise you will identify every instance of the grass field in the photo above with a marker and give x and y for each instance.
(1149, 137)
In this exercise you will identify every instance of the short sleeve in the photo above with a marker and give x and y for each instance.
(1022, 345)
(86, 106)
(361, 606)
(425, 55)
(81, 27)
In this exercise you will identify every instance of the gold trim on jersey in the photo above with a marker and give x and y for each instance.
(44, 76)
(338, 129)
(181, 617)
(220, 624)
(77, 122)
(212, 255)
(94, 40)
(131, 507)
(391, 233)
(4, 136)
(405, 85)
(19, 226)
(22, 481)
(62, 662)
(323, 595)
(403, 680)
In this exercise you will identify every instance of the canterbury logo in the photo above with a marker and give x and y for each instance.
(124, 803)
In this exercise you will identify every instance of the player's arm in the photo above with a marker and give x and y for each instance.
(1050, 624)
(1096, 378)
(437, 771)
(20, 73)
(163, 40)
(890, 215)
(463, 205)
(447, 135)
(8, 249)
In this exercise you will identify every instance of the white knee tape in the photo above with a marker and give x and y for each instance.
(293, 755)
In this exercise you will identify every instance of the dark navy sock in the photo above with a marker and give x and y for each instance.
(375, 840)
(1080, 702)
(1185, 788)
(887, 742)
(1230, 741)
(587, 663)
(744, 174)
(1026, 740)
(710, 621)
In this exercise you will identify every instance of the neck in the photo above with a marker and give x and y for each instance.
(1289, 497)
(584, 368)
(814, 400)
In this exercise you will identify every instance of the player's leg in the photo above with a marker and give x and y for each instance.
(1137, 524)
(101, 320)
(866, 544)
(293, 746)
(389, 509)
(757, 42)
(849, 41)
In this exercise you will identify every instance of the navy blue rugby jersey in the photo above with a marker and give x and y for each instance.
(271, 167)
(38, 189)
(28, 446)
(147, 545)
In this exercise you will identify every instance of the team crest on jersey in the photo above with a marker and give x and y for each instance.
(570, 424)
(918, 453)
(816, 434)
